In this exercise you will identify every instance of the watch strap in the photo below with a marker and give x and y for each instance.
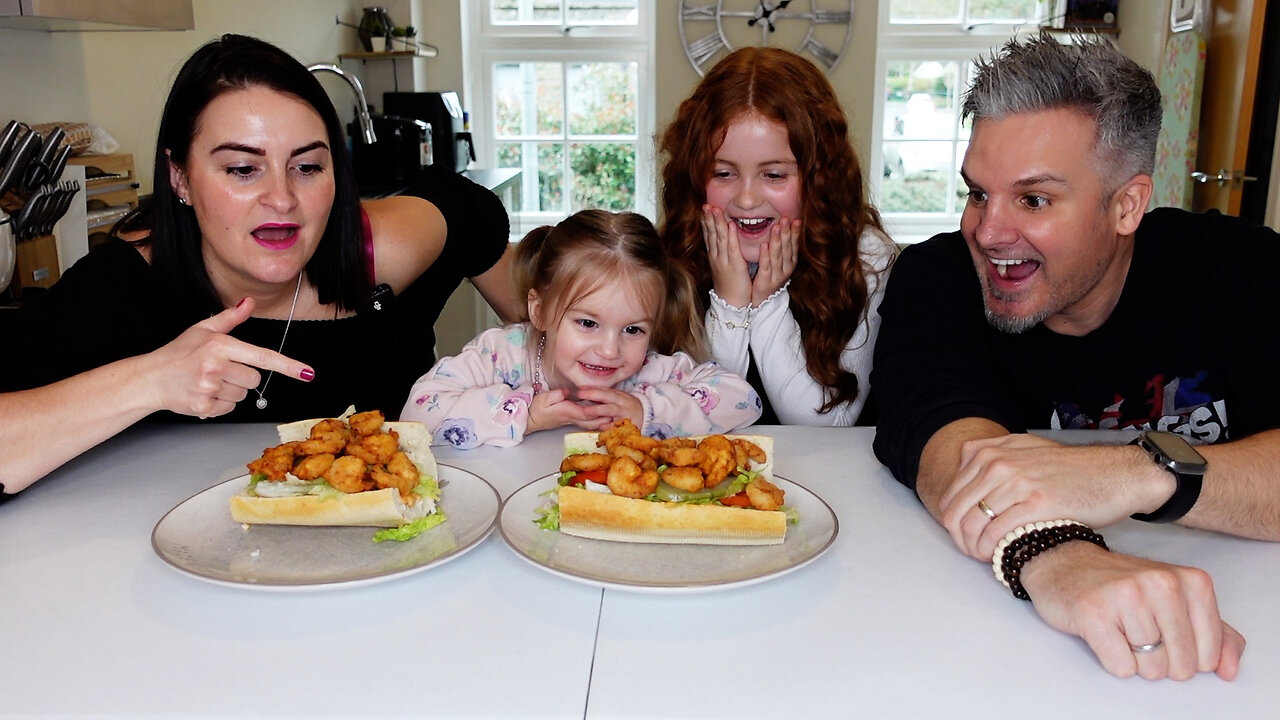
(1180, 503)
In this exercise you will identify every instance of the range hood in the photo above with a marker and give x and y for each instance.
(96, 15)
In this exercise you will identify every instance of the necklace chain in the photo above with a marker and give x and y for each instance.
(261, 402)
(537, 365)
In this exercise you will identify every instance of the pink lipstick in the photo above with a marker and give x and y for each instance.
(276, 236)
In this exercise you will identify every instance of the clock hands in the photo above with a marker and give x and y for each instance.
(765, 12)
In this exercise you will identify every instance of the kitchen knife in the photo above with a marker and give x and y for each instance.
(13, 168)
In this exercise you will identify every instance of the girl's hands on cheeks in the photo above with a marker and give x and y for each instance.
(204, 372)
(729, 274)
(610, 405)
(777, 260)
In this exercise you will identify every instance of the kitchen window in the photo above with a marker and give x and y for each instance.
(563, 90)
(923, 66)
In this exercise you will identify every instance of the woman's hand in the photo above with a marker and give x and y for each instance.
(777, 260)
(204, 372)
(729, 274)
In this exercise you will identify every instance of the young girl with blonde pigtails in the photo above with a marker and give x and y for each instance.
(612, 333)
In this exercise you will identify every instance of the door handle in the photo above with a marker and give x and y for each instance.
(1236, 178)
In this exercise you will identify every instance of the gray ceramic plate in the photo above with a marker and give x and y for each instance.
(649, 567)
(199, 538)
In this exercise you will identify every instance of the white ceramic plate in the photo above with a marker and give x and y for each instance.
(652, 567)
(199, 538)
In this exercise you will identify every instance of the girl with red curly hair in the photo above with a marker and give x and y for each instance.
(764, 204)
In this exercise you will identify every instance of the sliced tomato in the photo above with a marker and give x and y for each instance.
(738, 500)
(595, 476)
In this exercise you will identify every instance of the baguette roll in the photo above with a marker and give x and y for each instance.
(598, 514)
(291, 502)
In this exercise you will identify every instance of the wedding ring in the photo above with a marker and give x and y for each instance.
(1149, 647)
(986, 509)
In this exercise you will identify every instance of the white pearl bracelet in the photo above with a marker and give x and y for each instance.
(997, 564)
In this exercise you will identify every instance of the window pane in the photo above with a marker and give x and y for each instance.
(929, 10)
(913, 194)
(604, 175)
(939, 11)
(602, 98)
(527, 99)
(601, 12)
(1011, 10)
(576, 12)
(525, 12)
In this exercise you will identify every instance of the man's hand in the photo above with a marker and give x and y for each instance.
(1025, 478)
(1117, 602)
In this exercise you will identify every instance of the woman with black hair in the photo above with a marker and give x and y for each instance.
(259, 261)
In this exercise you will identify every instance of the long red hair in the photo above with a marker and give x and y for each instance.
(828, 288)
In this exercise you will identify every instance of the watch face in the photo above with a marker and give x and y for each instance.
(1174, 450)
(817, 29)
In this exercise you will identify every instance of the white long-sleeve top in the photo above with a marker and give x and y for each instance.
(771, 334)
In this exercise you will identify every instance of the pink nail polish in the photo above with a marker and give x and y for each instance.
(242, 301)
(307, 374)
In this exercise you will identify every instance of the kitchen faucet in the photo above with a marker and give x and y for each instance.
(362, 107)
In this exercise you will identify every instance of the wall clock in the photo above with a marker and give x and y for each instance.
(818, 29)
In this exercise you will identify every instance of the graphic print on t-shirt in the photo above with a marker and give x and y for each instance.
(1181, 405)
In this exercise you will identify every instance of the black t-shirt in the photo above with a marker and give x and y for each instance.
(1189, 347)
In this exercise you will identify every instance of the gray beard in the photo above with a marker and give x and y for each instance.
(1011, 324)
(1014, 325)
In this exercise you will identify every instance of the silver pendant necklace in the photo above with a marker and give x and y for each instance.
(537, 365)
(261, 402)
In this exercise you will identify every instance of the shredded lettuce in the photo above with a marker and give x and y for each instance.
(548, 517)
(411, 530)
(427, 487)
(566, 477)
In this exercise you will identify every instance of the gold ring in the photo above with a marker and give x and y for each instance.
(986, 509)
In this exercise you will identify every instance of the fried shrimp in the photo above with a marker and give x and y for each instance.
(678, 456)
(275, 462)
(347, 474)
(751, 450)
(688, 479)
(311, 467)
(366, 423)
(764, 495)
(327, 436)
(640, 458)
(627, 479)
(718, 459)
(585, 462)
(618, 433)
(375, 449)
(400, 473)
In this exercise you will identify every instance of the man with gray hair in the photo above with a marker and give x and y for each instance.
(1086, 311)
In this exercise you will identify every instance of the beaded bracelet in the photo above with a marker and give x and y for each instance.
(1017, 548)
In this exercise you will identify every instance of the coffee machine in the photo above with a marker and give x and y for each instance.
(452, 146)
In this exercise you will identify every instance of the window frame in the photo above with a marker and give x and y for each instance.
(489, 43)
(942, 41)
